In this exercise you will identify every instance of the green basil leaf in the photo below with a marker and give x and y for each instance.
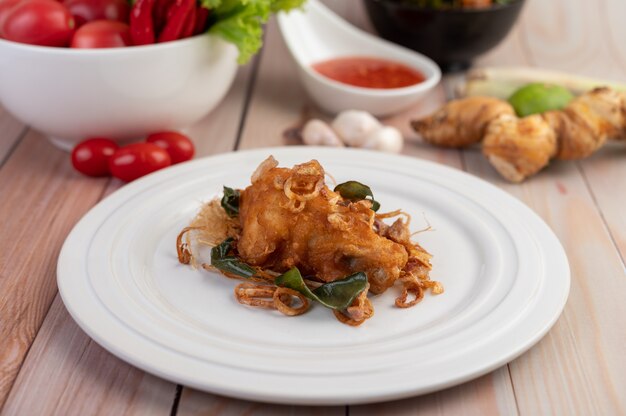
(235, 266)
(353, 190)
(230, 201)
(222, 249)
(335, 295)
(231, 264)
(292, 279)
(356, 191)
(341, 293)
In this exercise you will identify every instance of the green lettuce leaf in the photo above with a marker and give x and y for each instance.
(241, 21)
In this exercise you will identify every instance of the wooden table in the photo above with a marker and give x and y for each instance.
(49, 366)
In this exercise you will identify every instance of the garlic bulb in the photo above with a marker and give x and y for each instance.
(318, 133)
(353, 126)
(386, 139)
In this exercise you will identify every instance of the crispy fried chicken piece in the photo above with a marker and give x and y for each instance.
(290, 218)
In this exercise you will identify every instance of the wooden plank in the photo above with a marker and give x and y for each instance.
(569, 35)
(11, 131)
(605, 170)
(578, 368)
(193, 402)
(87, 379)
(489, 395)
(67, 373)
(605, 173)
(217, 133)
(612, 13)
(511, 50)
(43, 198)
(278, 99)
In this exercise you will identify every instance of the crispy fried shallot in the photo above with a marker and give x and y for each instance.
(413, 287)
(259, 296)
(283, 299)
(271, 297)
(357, 313)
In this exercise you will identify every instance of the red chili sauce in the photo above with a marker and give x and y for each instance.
(367, 72)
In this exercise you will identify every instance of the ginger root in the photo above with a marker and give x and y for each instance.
(520, 147)
(461, 123)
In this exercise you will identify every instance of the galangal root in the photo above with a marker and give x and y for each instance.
(520, 147)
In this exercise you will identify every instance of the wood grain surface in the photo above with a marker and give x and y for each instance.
(11, 131)
(49, 366)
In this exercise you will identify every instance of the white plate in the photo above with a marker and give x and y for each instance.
(506, 278)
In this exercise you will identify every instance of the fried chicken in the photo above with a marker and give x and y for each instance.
(289, 217)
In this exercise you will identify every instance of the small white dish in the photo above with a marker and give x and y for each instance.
(316, 34)
(119, 93)
(505, 274)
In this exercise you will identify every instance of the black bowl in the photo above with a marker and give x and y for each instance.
(451, 37)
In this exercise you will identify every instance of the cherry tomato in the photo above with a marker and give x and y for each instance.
(102, 34)
(91, 157)
(89, 10)
(39, 22)
(5, 8)
(179, 147)
(136, 160)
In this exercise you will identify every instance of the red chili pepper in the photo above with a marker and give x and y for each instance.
(202, 15)
(176, 23)
(190, 23)
(141, 27)
(171, 8)
(160, 14)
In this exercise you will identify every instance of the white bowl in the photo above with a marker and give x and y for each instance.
(316, 34)
(120, 93)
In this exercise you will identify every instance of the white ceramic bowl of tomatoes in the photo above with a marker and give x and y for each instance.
(71, 70)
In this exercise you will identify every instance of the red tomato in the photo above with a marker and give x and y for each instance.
(179, 147)
(136, 160)
(91, 156)
(39, 22)
(89, 10)
(5, 8)
(102, 34)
